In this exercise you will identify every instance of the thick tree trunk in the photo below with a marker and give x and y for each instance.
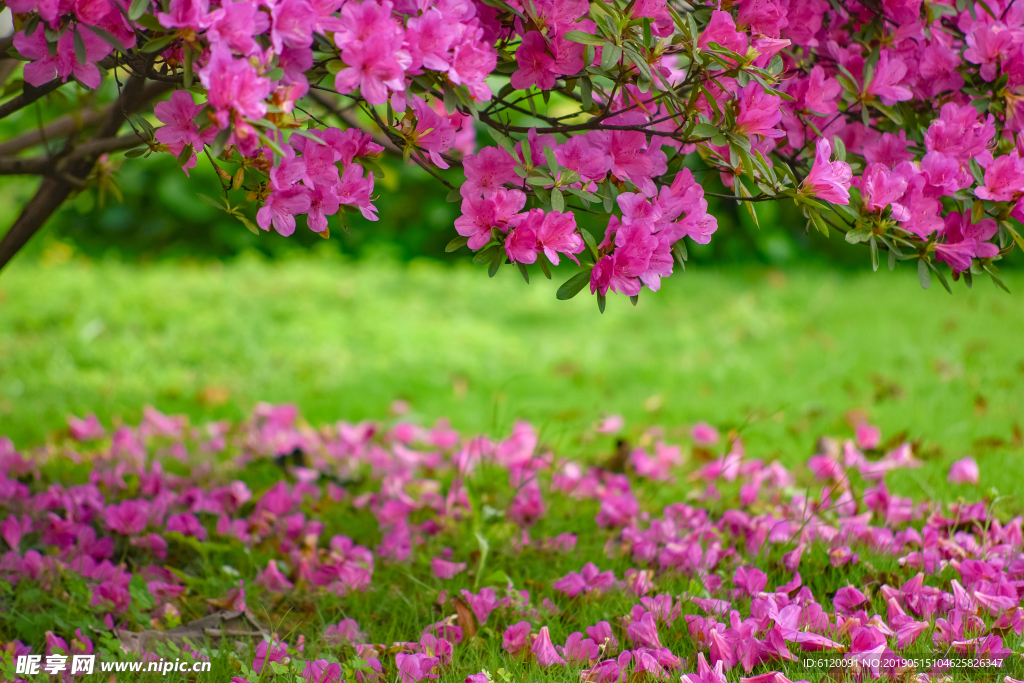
(65, 178)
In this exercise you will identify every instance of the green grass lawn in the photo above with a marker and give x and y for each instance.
(782, 356)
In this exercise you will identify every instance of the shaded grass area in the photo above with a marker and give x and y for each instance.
(781, 357)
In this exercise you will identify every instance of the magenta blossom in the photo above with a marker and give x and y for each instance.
(415, 667)
(128, 517)
(828, 180)
(964, 471)
(543, 650)
(516, 638)
(443, 569)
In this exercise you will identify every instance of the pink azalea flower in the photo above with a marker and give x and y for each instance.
(644, 632)
(828, 180)
(760, 113)
(237, 23)
(543, 650)
(536, 66)
(1004, 179)
(273, 580)
(964, 471)
(265, 652)
(281, 207)
(180, 116)
(12, 529)
(486, 172)
(187, 525)
(193, 14)
(704, 434)
(85, 430)
(322, 671)
(750, 580)
(482, 604)
(888, 73)
(611, 424)
(128, 517)
(578, 649)
(848, 598)
(111, 596)
(64, 62)
(233, 86)
(345, 631)
(292, 24)
(867, 436)
(722, 30)
(415, 667)
(705, 674)
(601, 633)
(355, 190)
(443, 569)
(516, 637)
(374, 68)
(881, 187)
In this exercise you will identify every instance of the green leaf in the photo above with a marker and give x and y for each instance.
(858, 235)
(610, 56)
(583, 38)
(496, 262)
(217, 146)
(819, 222)
(633, 299)
(542, 260)
(151, 22)
(874, 253)
(641, 64)
(608, 198)
(158, 44)
(456, 243)
(839, 148)
(137, 9)
(942, 277)
(601, 302)
(892, 259)
(503, 140)
(186, 52)
(80, 54)
(557, 200)
(573, 285)
(522, 269)
(977, 211)
(549, 155)
(453, 196)
(484, 548)
(587, 92)
(206, 199)
(924, 275)
(248, 224)
(976, 171)
(705, 130)
(591, 243)
(486, 255)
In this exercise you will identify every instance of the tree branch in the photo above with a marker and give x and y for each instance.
(45, 165)
(55, 130)
(27, 97)
(72, 123)
(382, 140)
(55, 188)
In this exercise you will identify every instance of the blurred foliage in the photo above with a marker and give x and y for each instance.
(153, 211)
(160, 215)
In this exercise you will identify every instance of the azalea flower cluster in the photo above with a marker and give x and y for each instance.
(164, 486)
(898, 124)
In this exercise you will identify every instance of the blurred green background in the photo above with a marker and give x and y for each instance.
(157, 298)
(161, 217)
